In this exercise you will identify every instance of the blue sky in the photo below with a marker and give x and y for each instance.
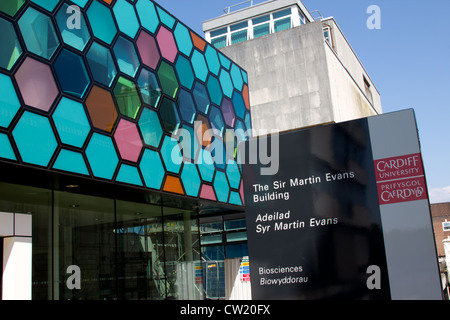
(408, 60)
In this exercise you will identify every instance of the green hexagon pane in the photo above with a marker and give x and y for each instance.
(127, 97)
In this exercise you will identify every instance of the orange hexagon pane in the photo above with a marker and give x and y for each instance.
(102, 111)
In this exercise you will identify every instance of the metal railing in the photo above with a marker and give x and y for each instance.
(228, 9)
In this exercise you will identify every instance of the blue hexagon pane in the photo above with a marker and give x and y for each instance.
(71, 73)
(171, 154)
(72, 27)
(101, 64)
(35, 139)
(147, 14)
(129, 174)
(9, 103)
(71, 161)
(102, 22)
(126, 18)
(149, 87)
(38, 33)
(152, 169)
(126, 55)
(201, 98)
(6, 150)
(191, 179)
(102, 156)
(212, 59)
(234, 176)
(221, 186)
(183, 39)
(205, 165)
(150, 127)
(227, 84)
(71, 122)
(187, 106)
(199, 64)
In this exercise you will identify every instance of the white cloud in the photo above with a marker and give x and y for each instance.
(439, 195)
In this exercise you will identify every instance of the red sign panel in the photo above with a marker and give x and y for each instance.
(400, 179)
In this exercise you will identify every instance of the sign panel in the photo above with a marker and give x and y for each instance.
(321, 226)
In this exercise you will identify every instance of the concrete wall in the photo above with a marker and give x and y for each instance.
(288, 77)
(297, 80)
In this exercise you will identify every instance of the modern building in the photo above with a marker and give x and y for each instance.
(114, 122)
(441, 224)
(301, 66)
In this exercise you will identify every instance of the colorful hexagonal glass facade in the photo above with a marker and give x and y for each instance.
(120, 91)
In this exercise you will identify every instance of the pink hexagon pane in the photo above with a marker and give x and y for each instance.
(148, 50)
(36, 84)
(128, 140)
(167, 44)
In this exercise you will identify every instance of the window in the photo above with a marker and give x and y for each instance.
(327, 35)
(257, 27)
(261, 26)
(367, 90)
(219, 37)
(446, 225)
(239, 32)
(282, 20)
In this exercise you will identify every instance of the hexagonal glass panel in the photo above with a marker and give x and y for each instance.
(36, 84)
(227, 84)
(185, 72)
(48, 5)
(71, 161)
(129, 174)
(11, 7)
(128, 140)
(187, 106)
(126, 56)
(233, 174)
(149, 87)
(228, 112)
(214, 90)
(127, 97)
(188, 142)
(72, 27)
(168, 79)
(101, 108)
(167, 44)
(239, 104)
(173, 185)
(191, 179)
(205, 165)
(152, 169)
(101, 21)
(35, 139)
(169, 116)
(183, 39)
(102, 156)
(201, 98)
(199, 64)
(71, 73)
(6, 150)
(221, 186)
(10, 50)
(150, 127)
(166, 18)
(71, 122)
(38, 33)
(215, 116)
(236, 77)
(203, 130)
(126, 18)
(9, 103)
(212, 59)
(147, 14)
(171, 154)
(219, 153)
(148, 50)
(101, 64)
